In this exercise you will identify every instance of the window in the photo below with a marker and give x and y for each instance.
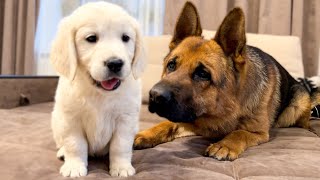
(150, 14)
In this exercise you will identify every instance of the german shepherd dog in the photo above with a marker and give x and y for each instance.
(222, 89)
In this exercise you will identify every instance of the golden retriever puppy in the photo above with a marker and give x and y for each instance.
(98, 53)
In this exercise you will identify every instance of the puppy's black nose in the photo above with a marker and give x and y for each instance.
(160, 95)
(114, 65)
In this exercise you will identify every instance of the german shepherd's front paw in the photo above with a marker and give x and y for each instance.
(161, 133)
(143, 141)
(223, 152)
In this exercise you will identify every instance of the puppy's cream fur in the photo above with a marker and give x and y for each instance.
(87, 119)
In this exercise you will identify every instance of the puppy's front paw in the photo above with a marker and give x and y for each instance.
(73, 168)
(123, 170)
(222, 152)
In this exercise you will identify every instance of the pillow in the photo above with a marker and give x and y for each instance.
(157, 47)
(150, 77)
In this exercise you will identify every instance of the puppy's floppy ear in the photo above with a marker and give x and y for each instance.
(139, 61)
(231, 35)
(188, 24)
(63, 54)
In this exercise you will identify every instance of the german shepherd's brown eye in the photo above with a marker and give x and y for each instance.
(200, 74)
(171, 66)
(92, 38)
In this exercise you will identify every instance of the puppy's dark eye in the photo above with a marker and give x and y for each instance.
(200, 74)
(92, 38)
(125, 38)
(171, 66)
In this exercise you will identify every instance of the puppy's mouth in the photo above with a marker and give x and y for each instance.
(108, 85)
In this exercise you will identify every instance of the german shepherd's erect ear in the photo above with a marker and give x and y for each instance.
(231, 35)
(188, 24)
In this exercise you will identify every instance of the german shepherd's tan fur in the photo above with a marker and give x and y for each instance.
(222, 89)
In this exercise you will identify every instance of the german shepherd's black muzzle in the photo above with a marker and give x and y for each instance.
(164, 102)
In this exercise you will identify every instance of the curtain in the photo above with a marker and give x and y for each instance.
(17, 29)
(279, 17)
(149, 13)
